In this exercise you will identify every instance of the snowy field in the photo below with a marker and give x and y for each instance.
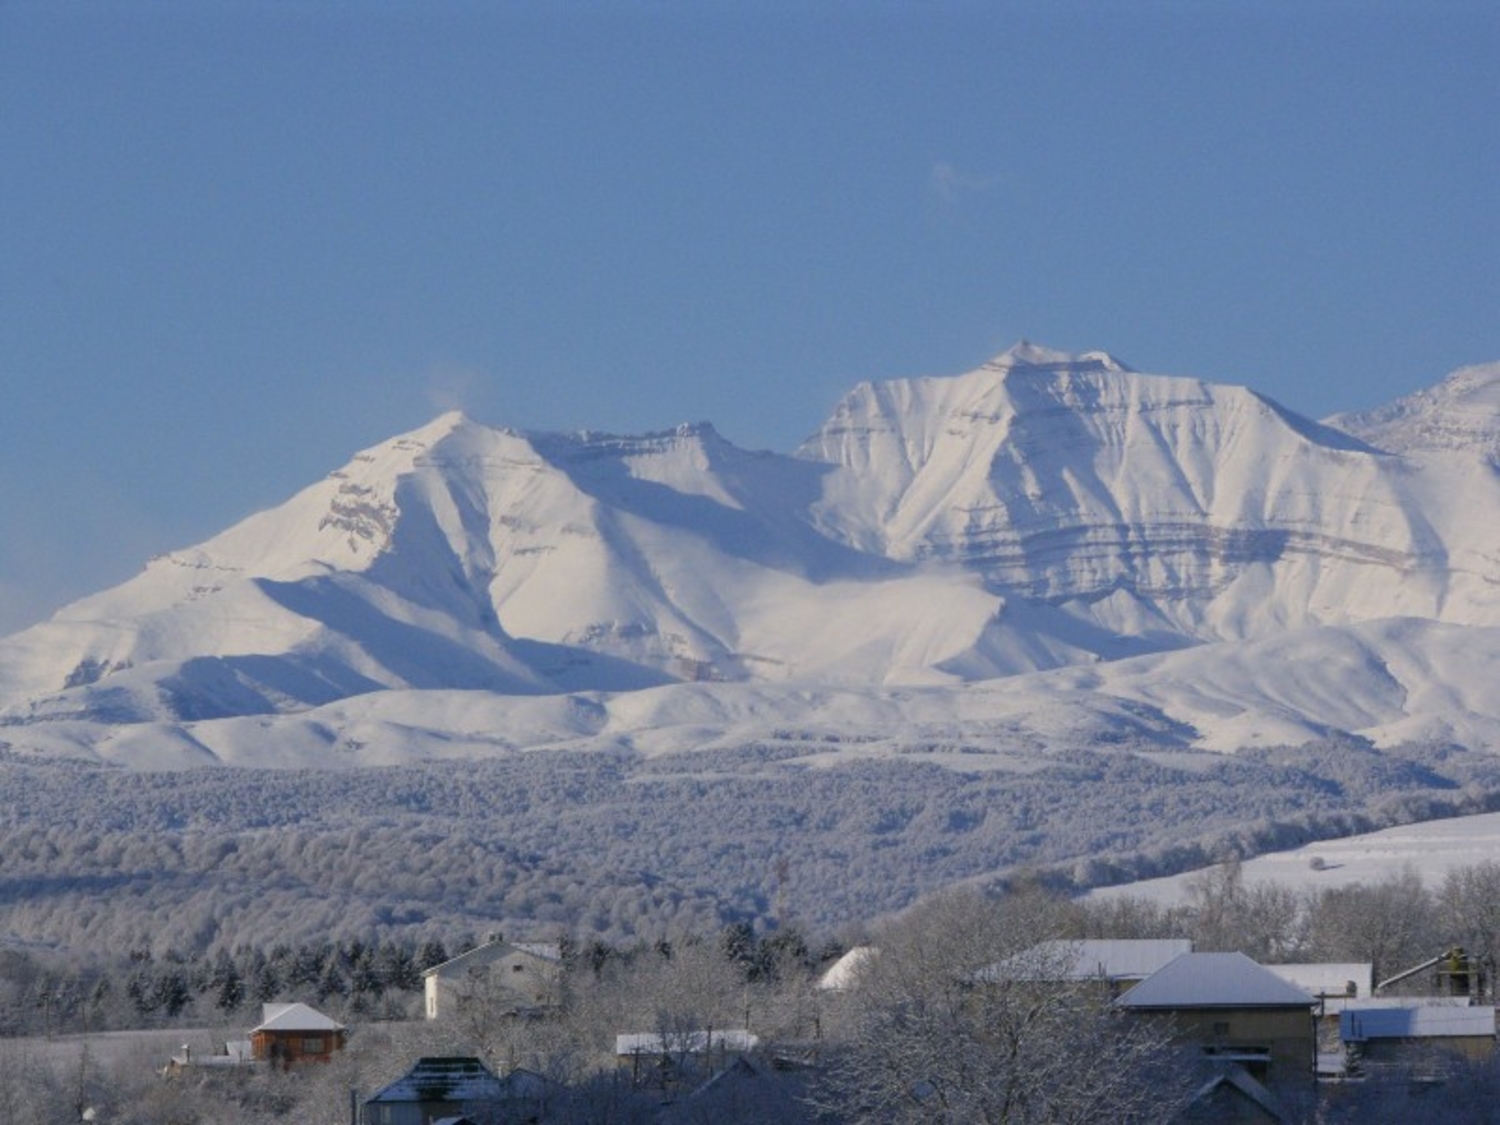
(147, 1049)
(1431, 848)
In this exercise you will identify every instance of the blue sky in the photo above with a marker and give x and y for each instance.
(240, 241)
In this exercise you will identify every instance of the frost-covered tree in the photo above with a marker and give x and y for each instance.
(1391, 923)
(1469, 910)
(936, 1030)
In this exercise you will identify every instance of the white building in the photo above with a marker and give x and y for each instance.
(519, 978)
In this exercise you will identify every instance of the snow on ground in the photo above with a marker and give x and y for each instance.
(146, 1049)
(1432, 849)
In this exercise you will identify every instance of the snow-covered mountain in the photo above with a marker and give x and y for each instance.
(1044, 512)
(1457, 417)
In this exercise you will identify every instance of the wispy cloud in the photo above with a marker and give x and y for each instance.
(948, 182)
(453, 386)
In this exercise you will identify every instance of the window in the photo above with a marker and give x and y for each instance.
(312, 1046)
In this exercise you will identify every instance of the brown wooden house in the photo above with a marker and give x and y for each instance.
(294, 1033)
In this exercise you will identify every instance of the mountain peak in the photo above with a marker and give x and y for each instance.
(1461, 413)
(1026, 354)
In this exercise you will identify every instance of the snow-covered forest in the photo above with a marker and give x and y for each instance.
(626, 848)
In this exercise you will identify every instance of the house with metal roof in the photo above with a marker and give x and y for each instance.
(294, 1033)
(1383, 1034)
(517, 978)
(1233, 1015)
(455, 1088)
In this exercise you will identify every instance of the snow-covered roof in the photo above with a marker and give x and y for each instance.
(843, 972)
(1215, 980)
(1118, 960)
(294, 1017)
(1425, 1022)
(493, 950)
(1329, 978)
(689, 1042)
(444, 1079)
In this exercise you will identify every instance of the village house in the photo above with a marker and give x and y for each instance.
(1398, 1034)
(518, 978)
(294, 1033)
(452, 1090)
(668, 1060)
(1251, 1034)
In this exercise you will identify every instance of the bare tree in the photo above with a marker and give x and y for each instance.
(1390, 923)
(1469, 909)
(959, 1019)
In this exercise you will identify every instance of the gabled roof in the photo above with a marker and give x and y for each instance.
(1364, 1024)
(1214, 980)
(294, 1017)
(1118, 960)
(446, 1080)
(492, 951)
(1237, 1080)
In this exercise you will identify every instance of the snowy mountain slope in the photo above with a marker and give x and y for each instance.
(1460, 415)
(1138, 503)
(1389, 681)
(1044, 512)
(463, 557)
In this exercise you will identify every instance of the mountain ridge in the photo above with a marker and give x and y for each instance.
(1043, 512)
